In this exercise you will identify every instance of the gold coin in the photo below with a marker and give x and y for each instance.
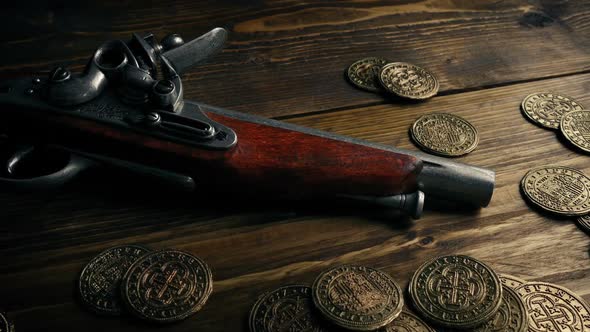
(364, 73)
(584, 223)
(456, 292)
(407, 322)
(554, 308)
(100, 279)
(547, 109)
(289, 308)
(558, 189)
(510, 281)
(357, 297)
(511, 316)
(166, 286)
(408, 81)
(444, 134)
(575, 127)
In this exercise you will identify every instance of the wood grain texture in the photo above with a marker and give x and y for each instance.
(46, 239)
(287, 57)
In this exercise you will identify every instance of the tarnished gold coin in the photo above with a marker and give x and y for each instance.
(547, 109)
(554, 308)
(584, 223)
(511, 281)
(456, 292)
(166, 286)
(364, 73)
(357, 297)
(575, 127)
(100, 279)
(444, 134)
(289, 308)
(407, 322)
(408, 81)
(558, 189)
(511, 316)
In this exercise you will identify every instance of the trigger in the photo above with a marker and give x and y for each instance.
(17, 157)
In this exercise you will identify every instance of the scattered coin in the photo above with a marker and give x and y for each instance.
(289, 308)
(558, 189)
(166, 286)
(408, 81)
(575, 126)
(511, 281)
(407, 322)
(364, 73)
(546, 109)
(100, 279)
(584, 223)
(357, 297)
(456, 292)
(444, 134)
(511, 316)
(554, 308)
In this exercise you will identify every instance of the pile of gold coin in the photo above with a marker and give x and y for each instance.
(398, 78)
(556, 111)
(157, 286)
(450, 292)
(560, 190)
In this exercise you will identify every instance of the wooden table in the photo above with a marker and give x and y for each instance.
(285, 59)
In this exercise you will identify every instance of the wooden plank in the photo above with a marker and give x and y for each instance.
(286, 57)
(46, 240)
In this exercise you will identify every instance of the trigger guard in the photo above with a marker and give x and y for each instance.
(52, 181)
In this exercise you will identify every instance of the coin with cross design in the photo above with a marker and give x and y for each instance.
(407, 322)
(456, 292)
(5, 325)
(553, 308)
(98, 285)
(547, 109)
(357, 297)
(288, 308)
(558, 189)
(575, 127)
(512, 316)
(408, 81)
(166, 286)
(364, 73)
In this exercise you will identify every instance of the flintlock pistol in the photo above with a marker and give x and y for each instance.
(126, 110)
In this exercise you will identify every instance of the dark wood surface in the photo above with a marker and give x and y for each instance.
(286, 59)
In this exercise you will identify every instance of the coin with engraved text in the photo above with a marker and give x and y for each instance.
(511, 281)
(408, 81)
(288, 308)
(584, 223)
(357, 297)
(98, 285)
(554, 308)
(511, 316)
(166, 286)
(558, 189)
(547, 109)
(444, 134)
(364, 73)
(456, 292)
(407, 322)
(575, 127)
